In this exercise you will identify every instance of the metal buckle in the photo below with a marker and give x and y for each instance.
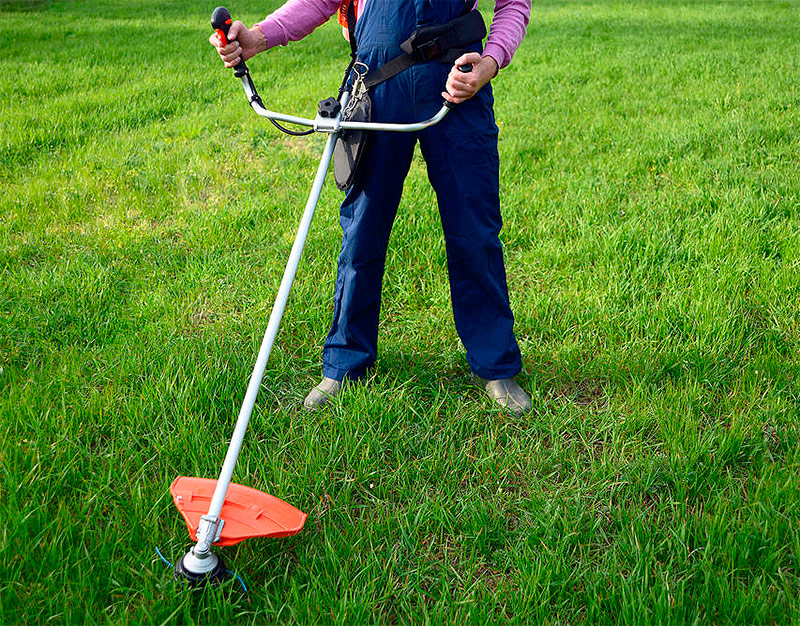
(360, 68)
(358, 89)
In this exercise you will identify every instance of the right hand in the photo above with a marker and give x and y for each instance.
(243, 43)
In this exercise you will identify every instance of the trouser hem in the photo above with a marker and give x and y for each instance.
(497, 374)
(337, 373)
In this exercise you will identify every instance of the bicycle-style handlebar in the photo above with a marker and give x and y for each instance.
(221, 22)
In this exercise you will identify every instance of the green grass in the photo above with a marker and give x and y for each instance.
(651, 199)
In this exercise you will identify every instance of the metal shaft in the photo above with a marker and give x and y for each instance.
(205, 541)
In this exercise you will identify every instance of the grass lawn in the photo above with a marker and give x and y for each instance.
(650, 155)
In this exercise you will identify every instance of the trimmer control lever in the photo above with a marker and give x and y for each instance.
(221, 22)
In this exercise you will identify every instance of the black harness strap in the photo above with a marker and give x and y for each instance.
(445, 43)
(351, 36)
(351, 28)
(389, 69)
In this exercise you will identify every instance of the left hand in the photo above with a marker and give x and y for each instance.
(461, 86)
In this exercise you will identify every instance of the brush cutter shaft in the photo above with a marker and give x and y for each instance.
(209, 527)
(206, 538)
(200, 560)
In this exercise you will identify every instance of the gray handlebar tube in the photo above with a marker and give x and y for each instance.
(325, 125)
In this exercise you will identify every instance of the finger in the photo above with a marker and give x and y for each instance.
(230, 48)
(467, 59)
(456, 82)
(458, 95)
(236, 28)
(461, 96)
(470, 77)
(463, 92)
(230, 52)
(461, 87)
(231, 58)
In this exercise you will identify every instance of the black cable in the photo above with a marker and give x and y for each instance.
(293, 133)
(257, 100)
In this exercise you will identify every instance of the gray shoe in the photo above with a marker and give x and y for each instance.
(508, 394)
(323, 392)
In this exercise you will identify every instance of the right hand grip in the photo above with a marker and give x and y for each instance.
(221, 22)
(464, 69)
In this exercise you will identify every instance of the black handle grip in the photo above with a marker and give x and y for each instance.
(221, 22)
(464, 69)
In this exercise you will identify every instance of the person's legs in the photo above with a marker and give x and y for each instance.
(463, 167)
(368, 211)
(366, 217)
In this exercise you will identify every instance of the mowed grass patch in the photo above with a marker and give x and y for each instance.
(649, 156)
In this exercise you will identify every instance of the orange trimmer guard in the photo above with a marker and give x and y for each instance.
(246, 512)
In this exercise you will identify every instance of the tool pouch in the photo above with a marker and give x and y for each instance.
(445, 42)
(351, 143)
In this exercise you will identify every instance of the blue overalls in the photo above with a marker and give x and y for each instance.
(463, 167)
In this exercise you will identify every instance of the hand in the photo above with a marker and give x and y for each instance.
(462, 86)
(243, 43)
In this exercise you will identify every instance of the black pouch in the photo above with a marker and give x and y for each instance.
(445, 42)
(351, 143)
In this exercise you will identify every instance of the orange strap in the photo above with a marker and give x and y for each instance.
(342, 16)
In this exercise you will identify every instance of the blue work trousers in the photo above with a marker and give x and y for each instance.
(463, 167)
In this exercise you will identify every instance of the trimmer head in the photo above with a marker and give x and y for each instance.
(191, 571)
(245, 513)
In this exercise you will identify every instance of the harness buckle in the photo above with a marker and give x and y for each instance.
(428, 50)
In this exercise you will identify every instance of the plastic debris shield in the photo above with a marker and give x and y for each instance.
(246, 512)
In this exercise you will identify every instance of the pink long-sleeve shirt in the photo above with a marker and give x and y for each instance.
(297, 18)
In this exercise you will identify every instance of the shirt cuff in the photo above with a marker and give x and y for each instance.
(494, 51)
(273, 33)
